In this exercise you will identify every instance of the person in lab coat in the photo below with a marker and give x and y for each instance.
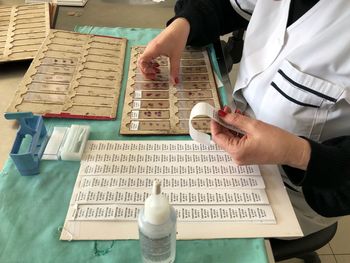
(293, 86)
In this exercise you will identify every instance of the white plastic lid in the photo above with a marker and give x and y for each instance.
(157, 209)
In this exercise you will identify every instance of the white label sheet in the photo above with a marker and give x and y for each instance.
(215, 213)
(213, 197)
(200, 181)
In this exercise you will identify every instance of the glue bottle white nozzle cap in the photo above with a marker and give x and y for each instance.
(157, 210)
(156, 188)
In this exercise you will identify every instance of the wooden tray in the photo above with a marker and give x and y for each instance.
(157, 107)
(23, 29)
(73, 76)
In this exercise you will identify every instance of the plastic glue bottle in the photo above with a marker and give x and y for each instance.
(157, 228)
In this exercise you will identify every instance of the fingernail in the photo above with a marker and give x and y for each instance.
(221, 113)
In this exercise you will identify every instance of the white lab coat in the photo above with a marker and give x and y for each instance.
(297, 78)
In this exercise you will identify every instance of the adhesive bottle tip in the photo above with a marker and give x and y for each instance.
(157, 228)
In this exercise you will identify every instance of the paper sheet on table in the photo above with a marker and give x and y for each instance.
(213, 197)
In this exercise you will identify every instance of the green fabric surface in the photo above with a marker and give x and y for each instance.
(33, 208)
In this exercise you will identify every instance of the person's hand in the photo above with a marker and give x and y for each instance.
(170, 42)
(262, 143)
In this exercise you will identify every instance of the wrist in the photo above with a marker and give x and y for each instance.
(299, 154)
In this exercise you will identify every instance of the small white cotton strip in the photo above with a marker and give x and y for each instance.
(205, 109)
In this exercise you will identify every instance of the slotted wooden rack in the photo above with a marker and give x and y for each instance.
(157, 107)
(73, 76)
(23, 29)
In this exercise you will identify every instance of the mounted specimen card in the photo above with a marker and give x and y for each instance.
(157, 107)
(23, 29)
(73, 76)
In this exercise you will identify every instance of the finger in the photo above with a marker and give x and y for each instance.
(146, 59)
(150, 76)
(155, 64)
(216, 129)
(225, 139)
(238, 111)
(150, 53)
(149, 70)
(144, 64)
(239, 121)
(227, 109)
(174, 69)
(215, 125)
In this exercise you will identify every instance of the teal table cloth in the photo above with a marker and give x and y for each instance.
(33, 208)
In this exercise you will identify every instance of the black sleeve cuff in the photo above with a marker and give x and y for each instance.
(328, 162)
(296, 176)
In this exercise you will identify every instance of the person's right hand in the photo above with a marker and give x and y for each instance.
(170, 42)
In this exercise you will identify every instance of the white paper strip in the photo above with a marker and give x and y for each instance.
(134, 114)
(136, 104)
(180, 197)
(165, 168)
(147, 146)
(205, 109)
(179, 182)
(233, 213)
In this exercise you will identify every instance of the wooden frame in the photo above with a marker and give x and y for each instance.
(23, 29)
(73, 76)
(157, 107)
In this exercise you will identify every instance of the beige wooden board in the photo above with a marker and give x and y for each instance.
(66, 80)
(61, 2)
(157, 107)
(23, 29)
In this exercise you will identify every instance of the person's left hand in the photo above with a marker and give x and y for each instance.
(262, 143)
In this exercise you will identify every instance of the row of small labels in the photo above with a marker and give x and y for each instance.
(229, 213)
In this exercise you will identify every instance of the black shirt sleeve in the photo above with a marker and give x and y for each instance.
(208, 19)
(326, 182)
